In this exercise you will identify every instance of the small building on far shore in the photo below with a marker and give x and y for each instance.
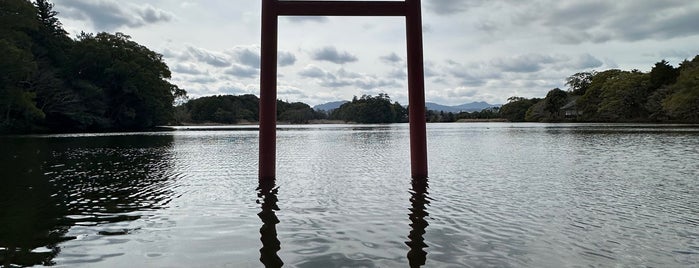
(570, 110)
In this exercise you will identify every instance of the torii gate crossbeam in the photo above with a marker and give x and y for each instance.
(410, 9)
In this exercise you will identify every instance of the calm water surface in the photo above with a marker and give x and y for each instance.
(499, 195)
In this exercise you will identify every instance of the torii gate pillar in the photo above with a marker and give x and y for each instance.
(410, 9)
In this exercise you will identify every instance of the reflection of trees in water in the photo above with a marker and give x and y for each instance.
(48, 185)
(30, 213)
(268, 232)
(417, 256)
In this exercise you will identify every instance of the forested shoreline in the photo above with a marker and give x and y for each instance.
(665, 94)
(95, 82)
(107, 82)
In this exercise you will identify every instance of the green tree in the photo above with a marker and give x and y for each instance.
(225, 109)
(589, 103)
(624, 97)
(555, 99)
(18, 111)
(133, 79)
(17, 20)
(579, 82)
(516, 108)
(537, 112)
(662, 74)
(683, 103)
(370, 110)
(296, 112)
(61, 104)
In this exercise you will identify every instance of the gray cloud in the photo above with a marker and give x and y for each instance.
(446, 7)
(677, 54)
(486, 26)
(242, 71)
(187, 68)
(108, 15)
(344, 78)
(250, 56)
(576, 22)
(527, 63)
(579, 15)
(677, 23)
(469, 79)
(208, 57)
(535, 62)
(203, 80)
(472, 74)
(302, 19)
(392, 58)
(331, 54)
(291, 91)
(430, 70)
(398, 73)
(312, 72)
(169, 53)
(247, 56)
(587, 61)
(286, 58)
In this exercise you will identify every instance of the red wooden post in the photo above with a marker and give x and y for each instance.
(272, 9)
(416, 90)
(268, 91)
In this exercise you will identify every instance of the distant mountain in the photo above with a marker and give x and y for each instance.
(329, 106)
(466, 107)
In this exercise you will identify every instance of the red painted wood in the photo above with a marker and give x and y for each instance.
(268, 91)
(416, 91)
(341, 8)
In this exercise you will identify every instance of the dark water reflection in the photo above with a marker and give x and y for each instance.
(31, 214)
(267, 198)
(49, 185)
(419, 200)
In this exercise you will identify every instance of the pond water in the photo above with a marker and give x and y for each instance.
(499, 195)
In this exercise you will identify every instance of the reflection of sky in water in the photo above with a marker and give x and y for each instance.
(507, 195)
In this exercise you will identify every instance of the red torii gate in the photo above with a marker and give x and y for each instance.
(410, 9)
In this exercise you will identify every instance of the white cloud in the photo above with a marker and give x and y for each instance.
(187, 68)
(242, 71)
(286, 58)
(209, 57)
(109, 15)
(392, 58)
(248, 56)
(331, 54)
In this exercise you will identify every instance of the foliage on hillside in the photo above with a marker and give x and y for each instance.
(371, 110)
(665, 94)
(229, 109)
(96, 82)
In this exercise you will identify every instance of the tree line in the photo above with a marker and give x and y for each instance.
(368, 109)
(95, 82)
(664, 94)
(230, 109)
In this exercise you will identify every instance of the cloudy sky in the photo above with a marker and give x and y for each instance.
(475, 50)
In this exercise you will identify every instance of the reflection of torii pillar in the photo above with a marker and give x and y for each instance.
(410, 9)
